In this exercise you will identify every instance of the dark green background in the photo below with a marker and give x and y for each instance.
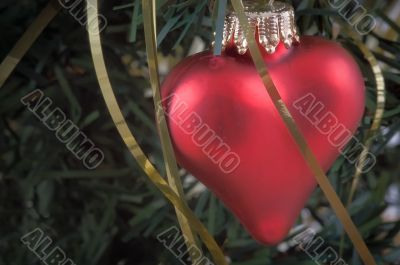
(112, 215)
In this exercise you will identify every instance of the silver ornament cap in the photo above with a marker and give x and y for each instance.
(275, 22)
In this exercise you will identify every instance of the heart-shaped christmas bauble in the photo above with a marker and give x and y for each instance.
(228, 134)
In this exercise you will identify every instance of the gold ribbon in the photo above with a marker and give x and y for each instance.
(149, 19)
(131, 143)
(309, 157)
(49, 12)
(26, 41)
(380, 109)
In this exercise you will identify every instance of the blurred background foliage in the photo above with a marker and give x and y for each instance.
(112, 215)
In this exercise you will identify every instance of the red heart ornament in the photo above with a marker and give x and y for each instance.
(228, 134)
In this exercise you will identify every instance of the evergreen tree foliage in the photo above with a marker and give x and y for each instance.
(113, 214)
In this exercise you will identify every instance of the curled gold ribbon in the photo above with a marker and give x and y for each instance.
(380, 109)
(26, 41)
(131, 143)
(149, 18)
(49, 12)
(306, 152)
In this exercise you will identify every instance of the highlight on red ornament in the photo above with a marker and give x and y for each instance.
(202, 136)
